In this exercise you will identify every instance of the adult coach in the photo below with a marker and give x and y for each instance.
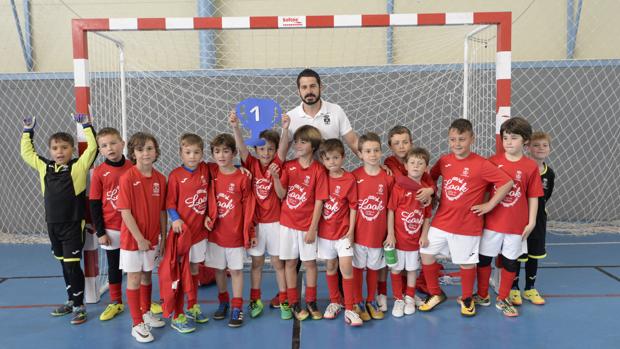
(328, 117)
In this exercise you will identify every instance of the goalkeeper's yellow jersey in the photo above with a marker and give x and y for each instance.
(63, 186)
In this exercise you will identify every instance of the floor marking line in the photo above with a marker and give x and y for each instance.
(608, 273)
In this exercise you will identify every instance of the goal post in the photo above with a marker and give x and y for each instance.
(84, 78)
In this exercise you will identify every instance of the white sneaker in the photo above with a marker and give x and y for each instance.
(152, 320)
(352, 318)
(418, 301)
(332, 311)
(399, 308)
(409, 305)
(142, 333)
(382, 302)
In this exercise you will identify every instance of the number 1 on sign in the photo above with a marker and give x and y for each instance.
(257, 113)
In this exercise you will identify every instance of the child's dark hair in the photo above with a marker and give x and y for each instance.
(225, 139)
(332, 144)
(368, 137)
(309, 73)
(61, 137)
(137, 142)
(462, 126)
(109, 131)
(188, 139)
(517, 126)
(270, 136)
(309, 134)
(419, 153)
(398, 130)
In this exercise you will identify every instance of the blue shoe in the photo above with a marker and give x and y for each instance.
(222, 310)
(195, 313)
(182, 324)
(236, 318)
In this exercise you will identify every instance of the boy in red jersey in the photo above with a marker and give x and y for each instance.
(336, 231)
(103, 194)
(400, 142)
(271, 154)
(373, 188)
(508, 225)
(141, 201)
(407, 219)
(303, 187)
(457, 225)
(232, 232)
(186, 203)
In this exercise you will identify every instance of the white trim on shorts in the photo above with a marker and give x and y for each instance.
(198, 252)
(137, 261)
(407, 260)
(219, 257)
(368, 257)
(115, 240)
(268, 240)
(510, 246)
(293, 246)
(331, 249)
(463, 249)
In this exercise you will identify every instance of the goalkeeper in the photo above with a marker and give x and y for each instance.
(63, 184)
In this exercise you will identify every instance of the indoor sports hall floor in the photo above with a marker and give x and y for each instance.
(580, 279)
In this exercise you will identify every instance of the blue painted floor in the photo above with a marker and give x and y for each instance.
(580, 279)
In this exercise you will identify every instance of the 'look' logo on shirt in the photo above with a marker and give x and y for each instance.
(412, 221)
(224, 205)
(454, 188)
(371, 207)
(330, 208)
(263, 188)
(296, 196)
(513, 195)
(198, 201)
(112, 196)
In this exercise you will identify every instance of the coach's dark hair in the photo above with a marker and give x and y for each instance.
(462, 126)
(308, 73)
(332, 144)
(368, 137)
(138, 141)
(517, 126)
(61, 137)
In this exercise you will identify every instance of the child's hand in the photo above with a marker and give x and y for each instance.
(208, 223)
(81, 118)
(424, 241)
(527, 231)
(274, 170)
(390, 241)
(424, 196)
(233, 119)
(144, 244)
(286, 121)
(253, 242)
(481, 209)
(351, 237)
(245, 171)
(105, 240)
(310, 236)
(177, 226)
(387, 170)
(29, 123)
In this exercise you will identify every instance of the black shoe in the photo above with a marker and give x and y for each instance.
(79, 315)
(221, 312)
(236, 318)
(299, 313)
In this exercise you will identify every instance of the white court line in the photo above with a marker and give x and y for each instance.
(582, 243)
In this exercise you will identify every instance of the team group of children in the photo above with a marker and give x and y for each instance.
(304, 209)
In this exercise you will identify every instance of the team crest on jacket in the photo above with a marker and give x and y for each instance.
(263, 188)
(224, 205)
(112, 196)
(198, 202)
(513, 195)
(412, 221)
(371, 207)
(330, 208)
(156, 189)
(296, 196)
(454, 188)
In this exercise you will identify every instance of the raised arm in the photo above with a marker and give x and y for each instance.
(284, 138)
(234, 123)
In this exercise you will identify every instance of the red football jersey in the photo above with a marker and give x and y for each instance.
(398, 169)
(304, 186)
(373, 194)
(334, 223)
(511, 215)
(235, 210)
(464, 183)
(267, 201)
(104, 186)
(188, 194)
(409, 216)
(146, 198)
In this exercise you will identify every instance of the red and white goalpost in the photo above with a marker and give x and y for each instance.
(82, 75)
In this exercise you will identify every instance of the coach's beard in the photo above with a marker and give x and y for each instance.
(316, 99)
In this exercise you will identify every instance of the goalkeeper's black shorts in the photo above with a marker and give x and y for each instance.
(67, 240)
